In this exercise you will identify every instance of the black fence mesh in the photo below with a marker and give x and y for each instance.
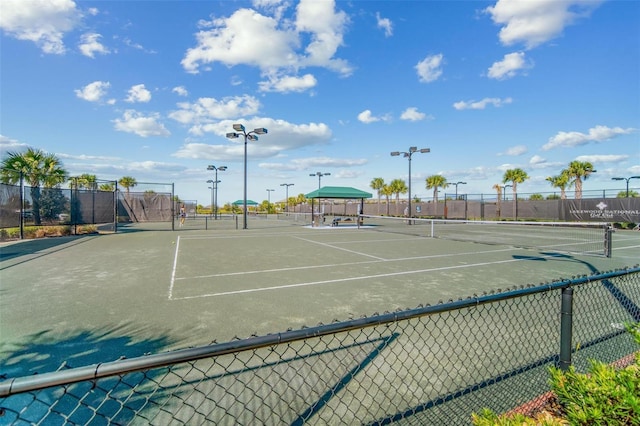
(431, 365)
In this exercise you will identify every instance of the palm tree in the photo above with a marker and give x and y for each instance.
(107, 187)
(397, 187)
(38, 168)
(515, 176)
(579, 171)
(387, 191)
(498, 189)
(127, 182)
(377, 184)
(561, 181)
(85, 181)
(435, 182)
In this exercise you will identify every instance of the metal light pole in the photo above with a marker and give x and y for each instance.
(319, 174)
(408, 154)
(214, 204)
(287, 185)
(269, 191)
(456, 184)
(248, 136)
(627, 179)
(212, 188)
(504, 191)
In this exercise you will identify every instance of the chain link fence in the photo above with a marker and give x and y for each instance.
(429, 365)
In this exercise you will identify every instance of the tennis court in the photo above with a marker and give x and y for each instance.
(95, 298)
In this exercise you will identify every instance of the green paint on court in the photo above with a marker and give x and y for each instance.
(82, 299)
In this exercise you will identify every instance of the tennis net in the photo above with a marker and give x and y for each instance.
(572, 237)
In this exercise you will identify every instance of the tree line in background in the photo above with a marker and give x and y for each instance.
(40, 169)
(574, 175)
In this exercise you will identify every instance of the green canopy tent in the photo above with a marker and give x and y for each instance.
(241, 203)
(343, 192)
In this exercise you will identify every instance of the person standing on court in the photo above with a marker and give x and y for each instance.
(183, 214)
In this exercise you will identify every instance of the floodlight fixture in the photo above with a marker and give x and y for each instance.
(248, 136)
(627, 179)
(320, 174)
(412, 150)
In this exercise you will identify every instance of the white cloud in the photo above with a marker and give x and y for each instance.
(536, 22)
(300, 164)
(515, 150)
(90, 45)
(367, 117)
(43, 22)
(287, 84)
(272, 43)
(429, 69)
(509, 66)
(138, 93)
(283, 136)
(385, 24)
(7, 144)
(603, 158)
(93, 92)
(180, 90)
(412, 114)
(595, 134)
(209, 110)
(134, 122)
(496, 102)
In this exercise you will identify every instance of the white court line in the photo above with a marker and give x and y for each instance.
(333, 265)
(175, 266)
(339, 248)
(311, 283)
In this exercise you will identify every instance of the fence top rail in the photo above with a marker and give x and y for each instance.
(41, 381)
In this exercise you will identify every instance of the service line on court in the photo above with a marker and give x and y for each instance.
(339, 248)
(391, 274)
(333, 265)
(175, 266)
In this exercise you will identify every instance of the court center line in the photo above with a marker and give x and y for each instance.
(339, 248)
(313, 283)
(175, 267)
(333, 265)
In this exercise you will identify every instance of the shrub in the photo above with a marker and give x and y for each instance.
(605, 396)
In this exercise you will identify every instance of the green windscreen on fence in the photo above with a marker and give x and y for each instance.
(574, 237)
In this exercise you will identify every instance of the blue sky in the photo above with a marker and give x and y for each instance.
(150, 88)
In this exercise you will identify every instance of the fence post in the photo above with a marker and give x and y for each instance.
(608, 240)
(566, 328)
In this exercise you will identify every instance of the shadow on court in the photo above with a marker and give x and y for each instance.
(38, 247)
(45, 351)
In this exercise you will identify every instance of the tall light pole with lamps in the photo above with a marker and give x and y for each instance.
(269, 191)
(412, 150)
(212, 188)
(320, 174)
(248, 136)
(287, 185)
(627, 179)
(214, 202)
(504, 191)
(456, 184)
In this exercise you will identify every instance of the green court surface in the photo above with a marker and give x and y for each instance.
(96, 298)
